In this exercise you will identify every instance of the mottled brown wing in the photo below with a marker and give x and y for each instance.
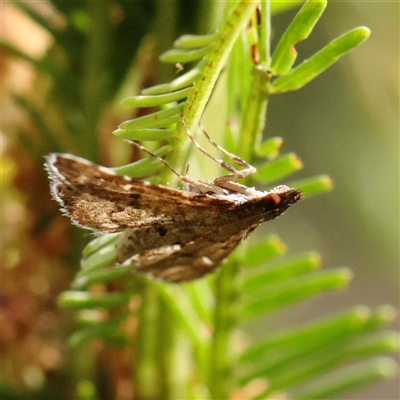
(218, 223)
(174, 235)
(98, 199)
(178, 263)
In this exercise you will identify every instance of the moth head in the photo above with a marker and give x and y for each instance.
(278, 200)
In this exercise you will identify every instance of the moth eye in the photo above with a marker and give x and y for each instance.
(162, 231)
(271, 201)
(275, 198)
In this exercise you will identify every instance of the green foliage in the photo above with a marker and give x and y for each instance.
(186, 332)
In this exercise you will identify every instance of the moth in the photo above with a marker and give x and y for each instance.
(175, 235)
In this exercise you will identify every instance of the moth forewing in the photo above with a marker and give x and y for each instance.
(172, 234)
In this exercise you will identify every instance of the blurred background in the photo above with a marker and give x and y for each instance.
(345, 124)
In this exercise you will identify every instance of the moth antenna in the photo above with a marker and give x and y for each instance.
(158, 158)
(187, 182)
(187, 168)
(220, 162)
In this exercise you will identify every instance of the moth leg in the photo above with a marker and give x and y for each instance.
(198, 185)
(220, 162)
(189, 184)
(225, 181)
(248, 169)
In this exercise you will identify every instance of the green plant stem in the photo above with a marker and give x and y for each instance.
(95, 88)
(150, 357)
(237, 14)
(254, 116)
(225, 315)
(265, 34)
(235, 20)
(227, 282)
(254, 113)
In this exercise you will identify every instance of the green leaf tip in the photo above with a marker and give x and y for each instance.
(264, 251)
(270, 147)
(280, 271)
(156, 120)
(104, 275)
(98, 243)
(81, 300)
(352, 377)
(184, 56)
(320, 61)
(278, 168)
(100, 258)
(156, 99)
(194, 41)
(145, 166)
(298, 288)
(149, 134)
(314, 185)
(178, 83)
(302, 25)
